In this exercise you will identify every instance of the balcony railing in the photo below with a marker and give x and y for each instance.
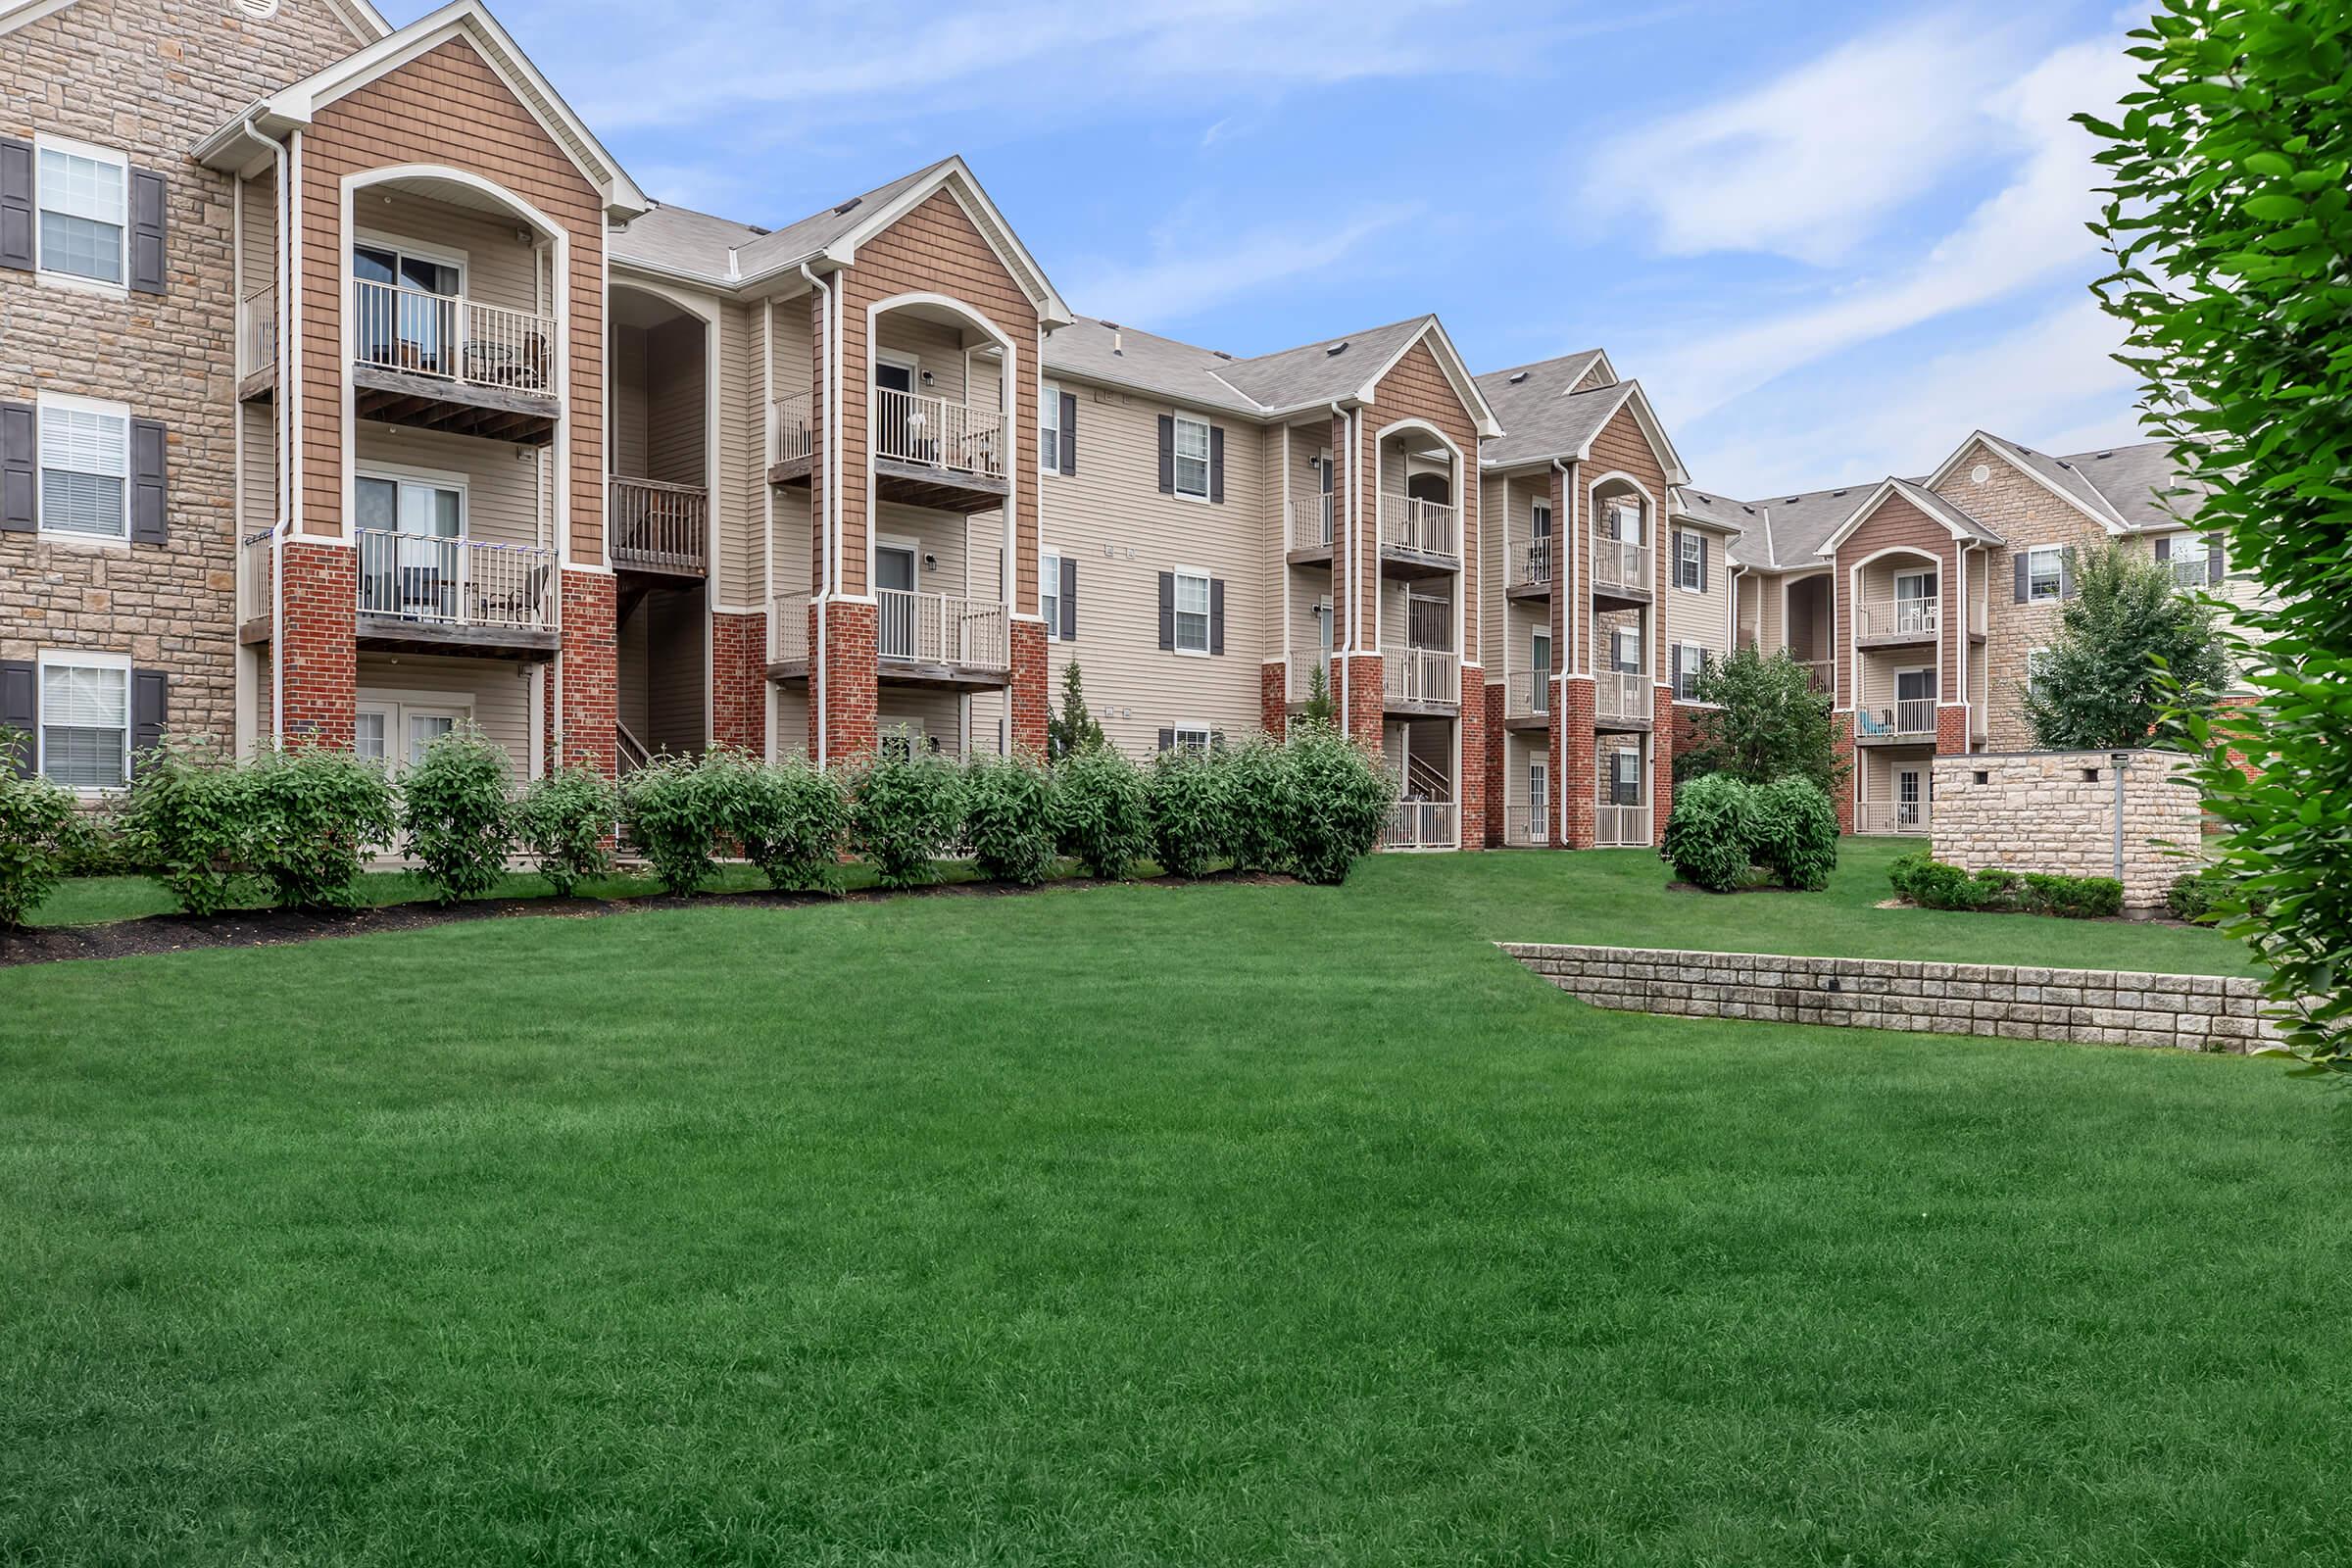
(1620, 826)
(1900, 618)
(1912, 717)
(1429, 527)
(663, 527)
(1300, 668)
(788, 629)
(1528, 694)
(1616, 563)
(254, 557)
(455, 581)
(1421, 675)
(934, 433)
(792, 440)
(1420, 826)
(257, 330)
(1310, 522)
(1622, 694)
(942, 629)
(1821, 675)
(1528, 826)
(452, 339)
(1531, 563)
(1892, 817)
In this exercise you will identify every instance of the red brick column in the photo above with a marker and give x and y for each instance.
(842, 684)
(1028, 693)
(1366, 701)
(1842, 726)
(1575, 753)
(1471, 788)
(739, 681)
(1274, 698)
(319, 662)
(1496, 763)
(1663, 717)
(584, 733)
(1951, 730)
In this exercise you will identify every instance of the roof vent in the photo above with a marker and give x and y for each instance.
(2105, 455)
(1518, 377)
(1118, 342)
(757, 230)
(1836, 492)
(1221, 354)
(1340, 347)
(848, 206)
(1792, 501)
(1112, 325)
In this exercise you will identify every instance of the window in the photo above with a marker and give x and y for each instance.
(2045, 573)
(1914, 685)
(1048, 434)
(85, 468)
(1689, 659)
(84, 211)
(1538, 519)
(1049, 595)
(1192, 459)
(1192, 614)
(1625, 647)
(411, 506)
(1625, 778)
(405, 307)
(1915, 585)
(1689, 556)
(2037, 667)
(85, 723)
(1623, 521)
(1194, 737)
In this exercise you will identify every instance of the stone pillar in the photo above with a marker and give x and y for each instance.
(1028, 694)
(1496, 763)
(843, 687)
(585, 731)
(320, 661)
(1661, 762)
(1575, 753)
(1842, 725)
(1274, 698)
(739, 682)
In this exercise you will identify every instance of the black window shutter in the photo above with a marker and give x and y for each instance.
(1167, 610)
(2066, 573)
(2215, 565)
(1216, 463)
(19, 711)
(150, 515)
(148, 193)
(19, 462)
(1068, 598)
(1167, 740)
(1069, 432)
(2024, 586)
(1704, 563)
(150, 711)
(1216, 614)
(1167, 454)
(15, 203)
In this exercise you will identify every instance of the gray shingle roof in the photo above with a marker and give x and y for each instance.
(2135, 479)
(1175, 370)
(1945, 511)
(2062, 474)
(1540, 417)
(678, 239)
(1322, 371)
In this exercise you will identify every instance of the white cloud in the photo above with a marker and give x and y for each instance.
(1192, 266)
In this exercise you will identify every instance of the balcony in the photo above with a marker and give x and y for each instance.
(1420, 826)
(1910, 721)
(660, 528)
(1892, 817)
(1531, 569)
(257, 561)
(1417, 532)
(791, 442)
(436, 362)
(1821, 675)
(1883, 623)
(943, 640)
(256, 345)
(1527, 827)
(1621, 699)
(1620, 569)
(1421, 679)
(1617, 827)
(1309, 533)
(1527, 700)
(929, 452)
(434, 594)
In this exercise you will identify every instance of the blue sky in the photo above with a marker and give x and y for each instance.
(1829, 238)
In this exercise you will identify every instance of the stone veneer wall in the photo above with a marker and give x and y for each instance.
(2046, 812)
(2011, 1002)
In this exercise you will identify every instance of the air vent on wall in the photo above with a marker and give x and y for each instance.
(258, 10)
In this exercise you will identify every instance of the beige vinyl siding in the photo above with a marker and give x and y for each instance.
(257, 238)
(791, 347)
(794, 542)
(624, 381)
(737, 502)
(1111, 520)
(256, 503)
(1704, 618)
(791, 733)
(674, 418)
(676, 632)
(1494, 567)
(632, 674)
(504, 499)
(496, 690)
(937, 714)
(499, 269)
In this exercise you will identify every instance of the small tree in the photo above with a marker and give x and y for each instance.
(2129, 646)
(37, 829)
(1768, 722)
(1073, 729)
(1340, 798)
(905, 811)
(1008, 818)
(1317, 709)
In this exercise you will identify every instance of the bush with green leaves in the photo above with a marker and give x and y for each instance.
(1099, 816)
(1708, 833)
(315, 818)
(1340, 800)
(1185, 801)
(1256, 786)
(906, 811)
(2133, 655)
(671, 813)
(36, 834)
(2201, 896)
(1765, 721)
(189, 824)
(789, 818)
(1933, 885)
(1793, 832)
(458, 814)
(1074, 728)
(565, 820)
(1008, 819)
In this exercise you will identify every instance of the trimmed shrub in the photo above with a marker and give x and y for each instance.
(905, 811)
(1707, 836)
(1099, 810)
(1903, 870)
(1338, 802)
(189, 825)
(36, 834)
(1256, 786)
(564, 820)
(1933, 885)
(315, 818)
(2075, 897)
(2196, 895)
(458, 814)
(789, 817)
(1008, 819)
(1793, 832)
(1184, 796)
(672, 815)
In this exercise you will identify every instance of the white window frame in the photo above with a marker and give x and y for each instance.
(1181, 737)
(48, 402)
(414, 250)
(1683, 675)
(2034, 596)
(1539, 512)
(71, 659)
(1617, 637)
(1207, 612)
(1177, 458)
(1617, 775)
(1049, 593)
(1619, 506)
(1049, 423)
(1914, 573)
(402, 477)
(1690, 550)
(121, 286)
(400, 704)
(1934, 679)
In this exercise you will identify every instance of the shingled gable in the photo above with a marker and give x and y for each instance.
(2053, 474)
(1954, 521)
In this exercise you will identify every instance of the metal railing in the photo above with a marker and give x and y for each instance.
(1617, 564)
(1421, 675)
(455, 581)
(942, 629)
(788, 629)
(1620, 826)
(1622, 694)
(257, 330)
(1892, 817)
(1531, 563)
(1299, 678)
(665, 527)
(1407, 522)
(1420, 826)
(1527, 694)
(793, 438)
(1527, 826)
(1909, 717)
(452, 339)
(1900, 618)
(1310, 522)
(255, 554)
(934, 433)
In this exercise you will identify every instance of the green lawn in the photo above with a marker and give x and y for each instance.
(1168, 1224)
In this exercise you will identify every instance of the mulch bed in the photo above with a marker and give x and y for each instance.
(270, 928)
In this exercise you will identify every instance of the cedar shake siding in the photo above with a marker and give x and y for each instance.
(1895, 524)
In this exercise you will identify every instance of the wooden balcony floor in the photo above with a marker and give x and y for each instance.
(395, 634)
(463, 408)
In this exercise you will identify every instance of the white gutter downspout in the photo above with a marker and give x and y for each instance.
(827, 513)
(282, 436)
(1563, 561)
(1347, 653)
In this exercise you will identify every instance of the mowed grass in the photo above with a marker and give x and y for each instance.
(1167, 1224)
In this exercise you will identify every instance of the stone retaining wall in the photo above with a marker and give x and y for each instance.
(2055, 811)
(2013, 1002)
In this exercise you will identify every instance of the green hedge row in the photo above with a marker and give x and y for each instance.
(1933, 885)
(1724, 830)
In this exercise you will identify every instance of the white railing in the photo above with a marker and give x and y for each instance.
(942, 629)
(1910, 717)
(1531, 563)
(1421, 675)
(1622, 694)
(452, 339)
(455, 581)
(1528, 826)
(788, 629)
(1528, 694)
(1617, 564)
(667, 526)
(1820, 675)
(1310, 522)
(1420, 826)
(1902, 617)
(1620, 826)
(793, 439)
(910, 427)
(254, 556)
(1299, 680)
(257, 330)
(1890, 816)
(1407, 522)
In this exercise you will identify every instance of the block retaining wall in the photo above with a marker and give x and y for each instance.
(2011, 1002)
